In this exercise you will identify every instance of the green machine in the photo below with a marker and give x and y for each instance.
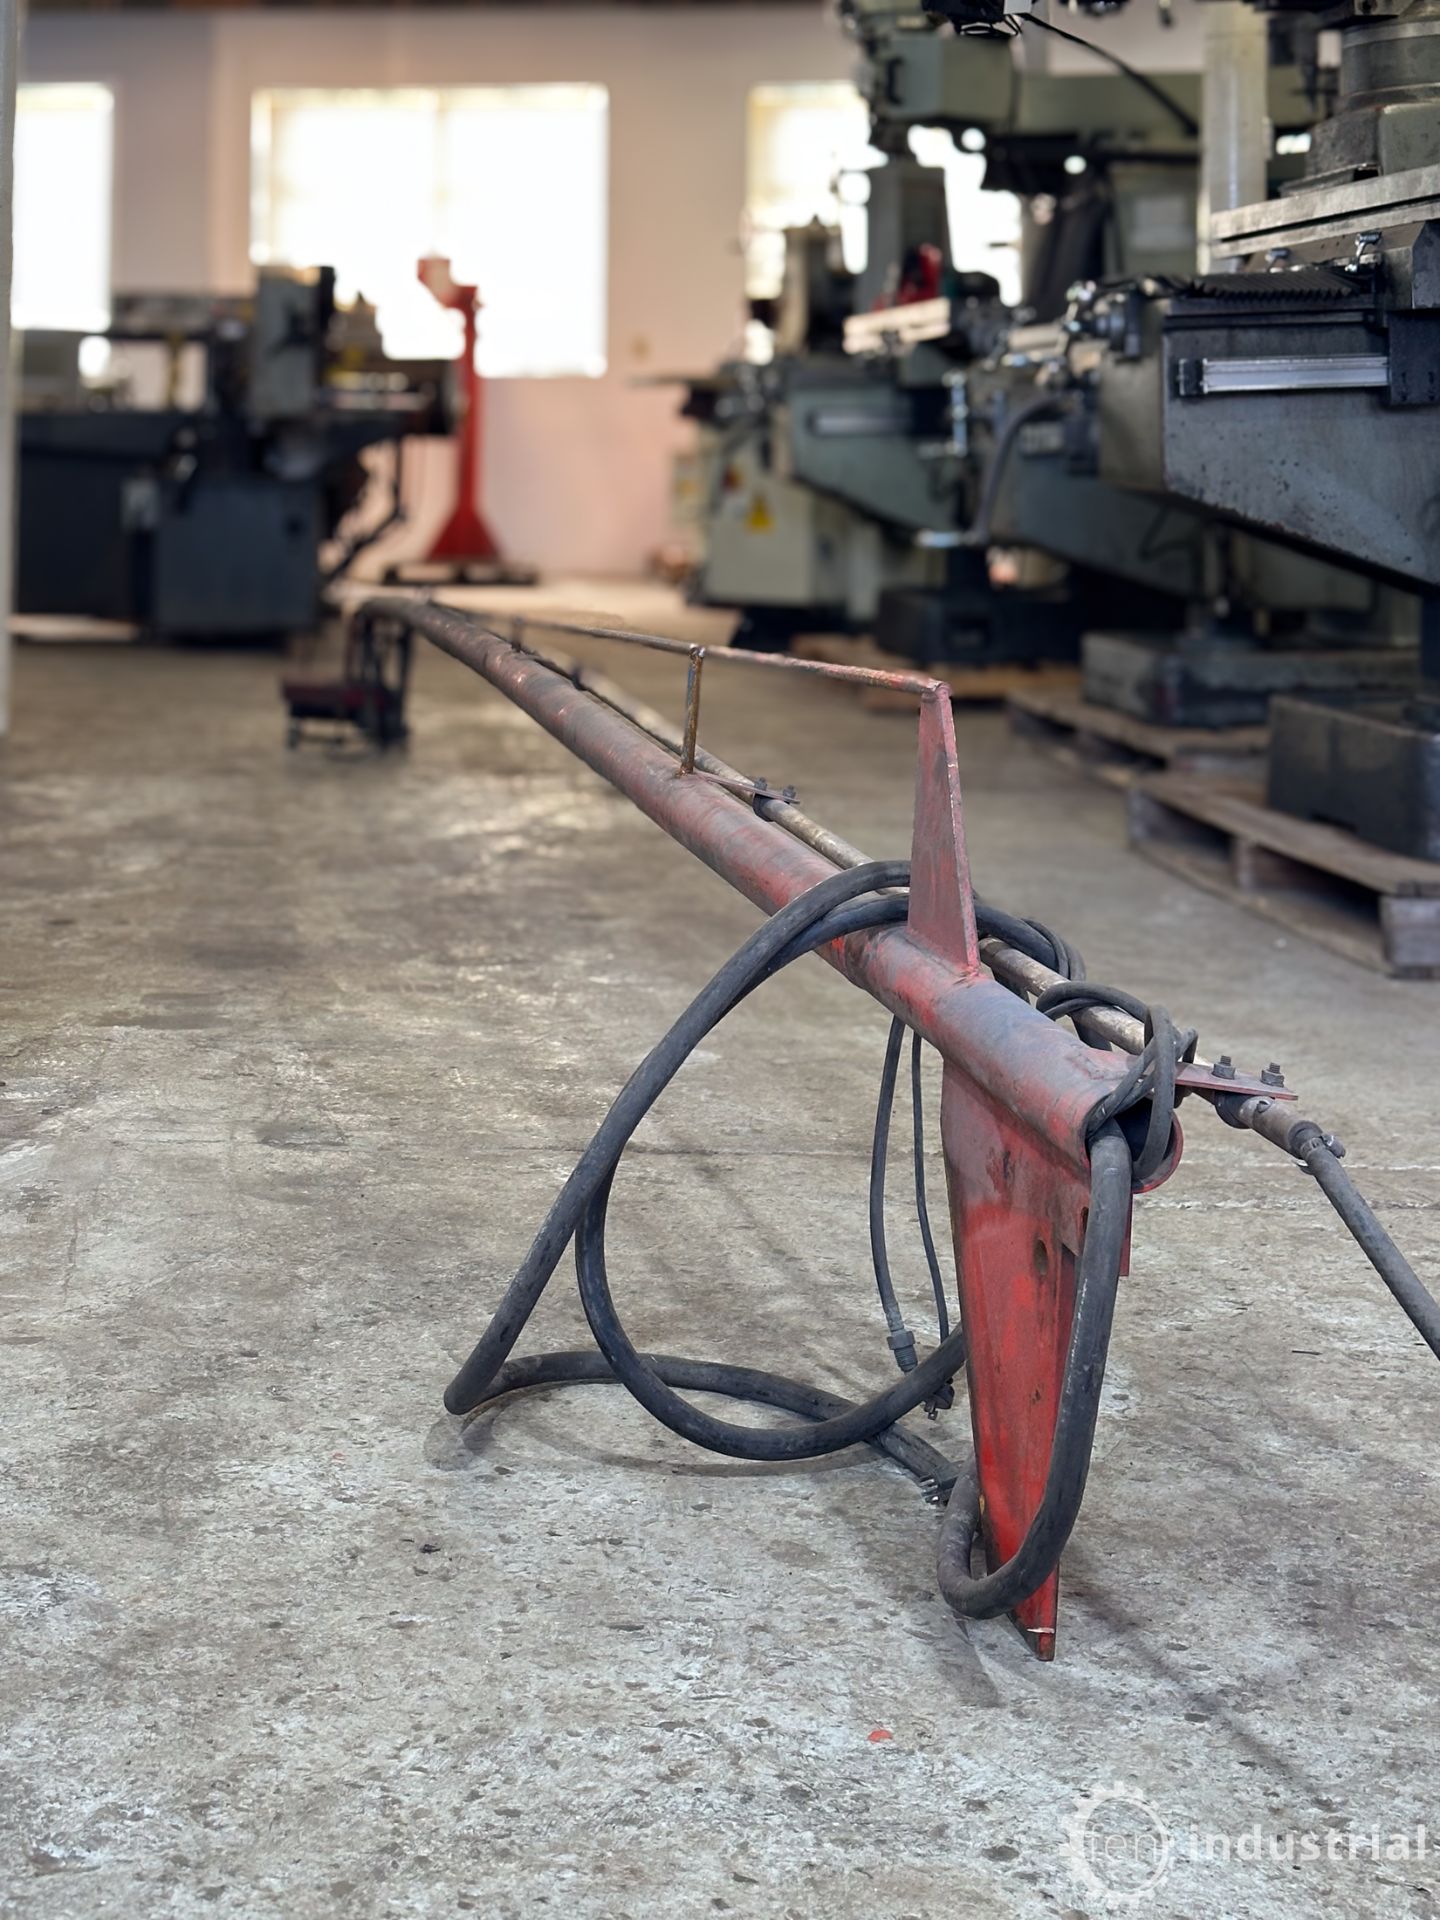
(834, 486)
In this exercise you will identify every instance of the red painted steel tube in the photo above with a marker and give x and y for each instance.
(1047, 1080)
(1018, 1089)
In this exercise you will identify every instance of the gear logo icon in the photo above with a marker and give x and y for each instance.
(1117, 1847)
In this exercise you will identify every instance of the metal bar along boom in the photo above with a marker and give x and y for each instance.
(1018, 1090)
(1047, 1078)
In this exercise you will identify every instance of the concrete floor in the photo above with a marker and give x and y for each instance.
(297, 1050)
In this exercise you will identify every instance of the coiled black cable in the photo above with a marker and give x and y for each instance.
(1151, 1077)
(805, 924)
(852, 902)
(835, 908)
(907, 1449)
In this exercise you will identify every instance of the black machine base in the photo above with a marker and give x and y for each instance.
(1217, 681)
(997, 628)
(1371, 766)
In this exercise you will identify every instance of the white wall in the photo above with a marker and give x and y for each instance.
(160, 68)
(577, 471)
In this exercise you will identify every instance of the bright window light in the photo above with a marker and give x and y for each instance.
(984, 227)
(808, 148)
(510, 183)
(64, 146)
(808, 153)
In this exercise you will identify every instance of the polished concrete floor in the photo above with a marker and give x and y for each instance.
(296, 1050)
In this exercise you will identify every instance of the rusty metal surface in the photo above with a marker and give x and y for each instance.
(898, 682)
(1049, 1080)
(1018, 1089)
(1018, 1213)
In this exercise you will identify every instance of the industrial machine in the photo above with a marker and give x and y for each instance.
(1049, 1129)
(205, 517)
(1286, 400)
(1288, 392)
(836, 480)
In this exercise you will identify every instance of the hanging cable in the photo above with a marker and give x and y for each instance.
(1182, 116)
(922, 1204)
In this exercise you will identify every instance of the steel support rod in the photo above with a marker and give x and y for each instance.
(1045, 1077)
(1279, 1122)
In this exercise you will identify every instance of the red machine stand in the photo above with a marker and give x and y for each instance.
(465, 551)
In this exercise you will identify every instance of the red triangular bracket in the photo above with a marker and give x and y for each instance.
(1018, 1205)
(1018, 1209)
(942, 906)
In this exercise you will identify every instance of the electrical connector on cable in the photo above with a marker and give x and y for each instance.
(901, 1343)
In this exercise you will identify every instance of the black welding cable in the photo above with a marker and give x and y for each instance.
(795, 929)
(1374, 1242)
(1068, 959)
(1096, 1286)
(737, 977)
(858, 1423)
(843, 1423)
(826, 1423)
(922, 1203)
(1150, 1077)
(899, 1338)
(1027, 937)
(533, 1371)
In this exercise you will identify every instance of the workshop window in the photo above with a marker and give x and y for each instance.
(984, 227)
(808, 148)
(64, 153)
(809, 157)
(510, 183)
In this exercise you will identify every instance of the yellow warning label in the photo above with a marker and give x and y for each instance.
(760, 519)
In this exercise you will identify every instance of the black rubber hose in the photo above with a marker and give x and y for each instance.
(827, 1423)
(922, 1203)
(1375, 1243)
(755, 960)
(536, 1371)
(981, 532)
(899, 1338)
(859, 1422)
(1151, 1076)
(1096, 1286)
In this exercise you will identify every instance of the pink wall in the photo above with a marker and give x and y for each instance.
(577, 471)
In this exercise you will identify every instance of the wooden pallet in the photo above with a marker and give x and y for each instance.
(970, 686)
(1117, 748)
(1379, 909)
